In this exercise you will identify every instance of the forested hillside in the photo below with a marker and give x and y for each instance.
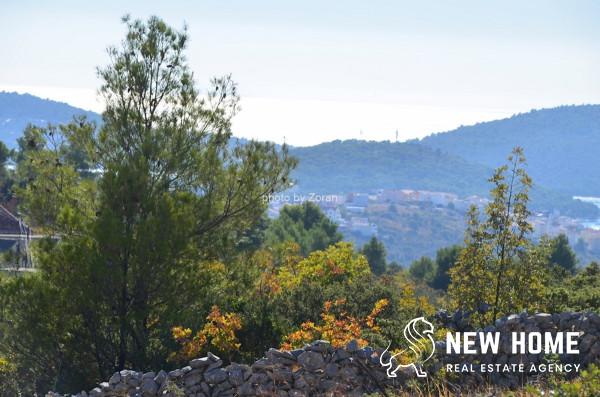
(561, 145)
(346, 166)
(360, 166)
(18, 110)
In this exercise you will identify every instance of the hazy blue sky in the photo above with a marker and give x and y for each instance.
(315, 71)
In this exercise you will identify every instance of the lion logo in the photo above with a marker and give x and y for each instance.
(418, 348)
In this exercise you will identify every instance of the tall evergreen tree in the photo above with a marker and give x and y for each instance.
(375, 253)
(172, 194)
(562, 254)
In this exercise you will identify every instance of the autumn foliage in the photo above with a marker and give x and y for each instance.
(338, 263)
(337, 328)
(218, 332)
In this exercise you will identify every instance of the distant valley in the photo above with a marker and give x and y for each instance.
(560, 145)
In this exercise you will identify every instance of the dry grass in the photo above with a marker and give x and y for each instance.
(455, 390)
(444, 391)
(587, 384)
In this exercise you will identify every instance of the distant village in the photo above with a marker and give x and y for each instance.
(348, 211)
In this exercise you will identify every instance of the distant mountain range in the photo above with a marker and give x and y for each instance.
(19, 110)
(561, 146)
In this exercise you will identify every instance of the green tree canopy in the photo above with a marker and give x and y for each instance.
(6, 179)
(172, 195)
(423, 269)
(578, 293)
(445, 259)
(436, 273)
(562, 254)
(375, 253)
(499, 265)
(306, 225)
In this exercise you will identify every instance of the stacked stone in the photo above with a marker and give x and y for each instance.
(320, 369)
(588, 343)
(315, 370)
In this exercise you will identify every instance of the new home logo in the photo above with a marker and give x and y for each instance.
(509, 346)
(420, 349)
(521, 343)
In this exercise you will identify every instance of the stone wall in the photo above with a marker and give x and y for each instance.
(320, 369)
(317, 369)
(586, 325)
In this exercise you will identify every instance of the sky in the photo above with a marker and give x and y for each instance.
(316, 71)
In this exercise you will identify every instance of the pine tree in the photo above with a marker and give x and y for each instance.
(172, 194)
(375, 253)
(562, 254)
(306, 225)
